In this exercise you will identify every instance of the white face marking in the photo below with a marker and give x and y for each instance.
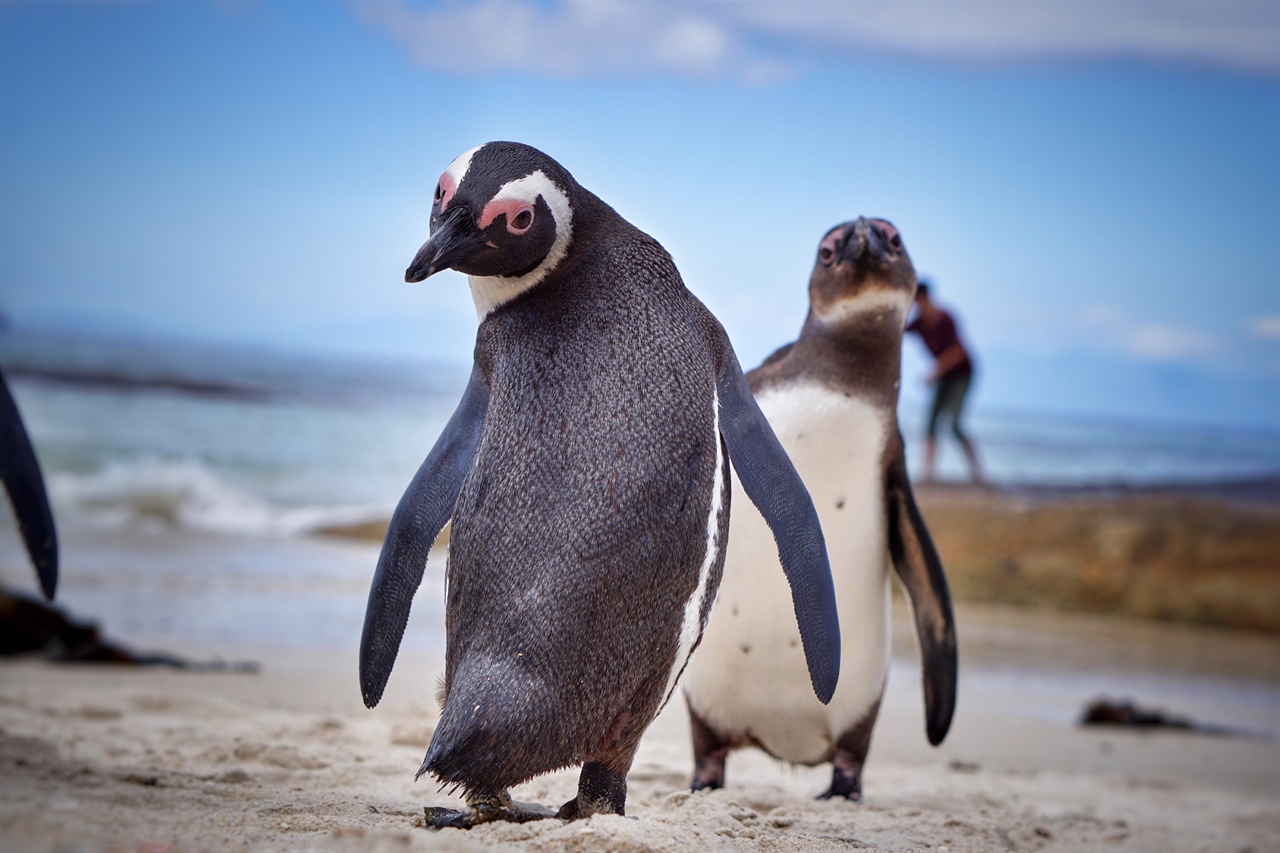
(488, 292)
(878, 301)
(457, 170)
(691, 626)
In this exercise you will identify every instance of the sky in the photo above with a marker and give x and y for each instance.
(1094, 188)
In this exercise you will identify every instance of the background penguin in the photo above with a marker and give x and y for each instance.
(586, 471)
(832, 398)
(20, 472)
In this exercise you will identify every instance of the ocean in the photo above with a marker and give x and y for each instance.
(188, 481)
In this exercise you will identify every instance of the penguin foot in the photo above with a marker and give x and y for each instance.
(844, 785)
(600, 791)
(485, 808)
(708, 771)
(700, 784)
(710, 751)
(436, 817)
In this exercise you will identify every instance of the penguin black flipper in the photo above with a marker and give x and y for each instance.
(771, 481)
(918, 567)
(422, 513)
(21, 474)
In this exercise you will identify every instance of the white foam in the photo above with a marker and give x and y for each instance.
(153, 494)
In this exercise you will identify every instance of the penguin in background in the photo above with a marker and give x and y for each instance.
(24, 484)
(832, 398)
(586, 472)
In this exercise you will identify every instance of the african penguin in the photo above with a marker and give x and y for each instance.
(832, 398)
(586, 473)
(20, 472)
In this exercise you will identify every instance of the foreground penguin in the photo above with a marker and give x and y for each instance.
(22, 480)
(832, 398)
(586, 474)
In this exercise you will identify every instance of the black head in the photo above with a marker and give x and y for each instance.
(862, 269)
(501, 211)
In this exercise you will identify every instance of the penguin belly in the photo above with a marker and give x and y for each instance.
(748, 679)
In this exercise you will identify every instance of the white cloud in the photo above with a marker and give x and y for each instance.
(575, 38)
(1154, 342)
(1243, 35)
(1110, 328)
(762, 41)
(1265, 326)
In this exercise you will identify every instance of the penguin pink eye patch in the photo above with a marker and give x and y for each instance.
(519, 214)
(890, 233)
(445, 190)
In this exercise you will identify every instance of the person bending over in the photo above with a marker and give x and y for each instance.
(951, 376)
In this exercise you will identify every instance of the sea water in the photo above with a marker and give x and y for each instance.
(167, 436)
(199, 475)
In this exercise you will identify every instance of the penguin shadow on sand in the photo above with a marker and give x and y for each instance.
(586, 472)
(831, 397)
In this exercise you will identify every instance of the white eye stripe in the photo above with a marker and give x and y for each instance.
(529, 188)
(488, 292)
(458, 168)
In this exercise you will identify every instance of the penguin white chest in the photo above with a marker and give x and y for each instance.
(749, 676)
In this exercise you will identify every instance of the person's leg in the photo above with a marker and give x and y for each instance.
(960, 393)
(931, 432)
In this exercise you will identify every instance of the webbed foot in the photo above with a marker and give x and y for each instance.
(600, 791)
(843, 784)
(485, 808)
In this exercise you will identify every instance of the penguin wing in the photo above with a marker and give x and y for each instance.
(771, 481)
(21, 474)
(918, 567)
(422, 513)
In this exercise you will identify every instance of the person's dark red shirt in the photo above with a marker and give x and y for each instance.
(939, 336)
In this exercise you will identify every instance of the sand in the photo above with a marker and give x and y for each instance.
(108, 758)
(97, 758)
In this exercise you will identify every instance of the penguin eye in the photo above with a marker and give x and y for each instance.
(523, 220)
(439, 193)
(895, 241)
(827, 248)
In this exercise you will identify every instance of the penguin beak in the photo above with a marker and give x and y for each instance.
(856, 241)
(454, 240)
(863, 240)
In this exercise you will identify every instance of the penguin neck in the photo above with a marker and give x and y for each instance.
(864, 351)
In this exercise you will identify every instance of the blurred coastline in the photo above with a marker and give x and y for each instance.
(153, 446)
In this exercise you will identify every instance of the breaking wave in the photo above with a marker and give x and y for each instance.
(186, 494)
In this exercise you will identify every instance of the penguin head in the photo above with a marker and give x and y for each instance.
(502, 214)
(862, 272)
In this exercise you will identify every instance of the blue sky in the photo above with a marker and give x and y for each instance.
(1094, 187)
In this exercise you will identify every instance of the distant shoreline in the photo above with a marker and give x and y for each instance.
(1190, 553)
(122, 381)
(1262, 489)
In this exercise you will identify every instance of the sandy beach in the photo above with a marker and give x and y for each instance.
(131, 759)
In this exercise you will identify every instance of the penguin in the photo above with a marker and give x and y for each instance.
(831, 397)
(20, 471)
(586, 474)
